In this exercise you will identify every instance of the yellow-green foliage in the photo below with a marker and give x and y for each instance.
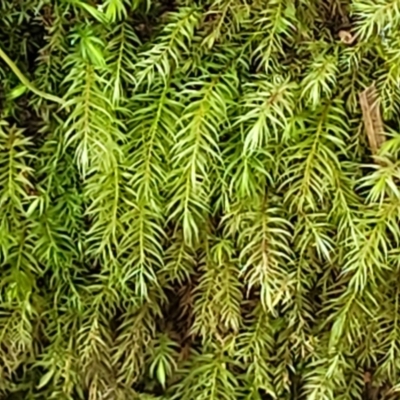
(189, 205)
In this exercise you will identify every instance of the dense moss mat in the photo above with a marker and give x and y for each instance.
(199, 200)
